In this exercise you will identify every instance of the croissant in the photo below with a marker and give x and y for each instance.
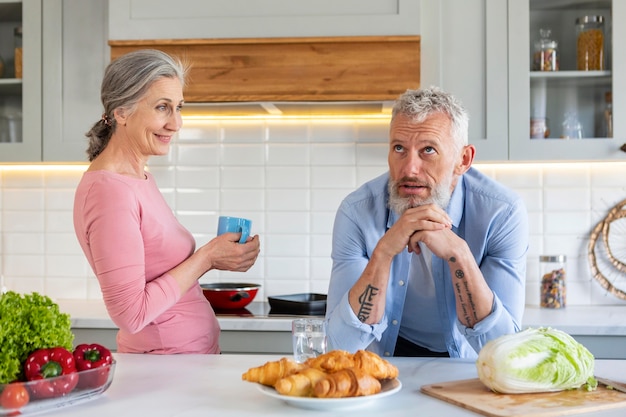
(300, 384)
(269, 373)
(350, 382)
(374, 365)
(332, 361)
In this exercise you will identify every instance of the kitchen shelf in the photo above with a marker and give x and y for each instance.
(10, 86)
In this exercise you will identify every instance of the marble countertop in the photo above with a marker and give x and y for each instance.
(211, 385)
(575, 320)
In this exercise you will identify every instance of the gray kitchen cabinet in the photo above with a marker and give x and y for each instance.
(464, 51)
(231, 341)
(198, 19)
(75, 53)
(64, 54)
(20, 98)
(535, 95)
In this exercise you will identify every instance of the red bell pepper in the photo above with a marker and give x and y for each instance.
(89, 357)
(54, 370)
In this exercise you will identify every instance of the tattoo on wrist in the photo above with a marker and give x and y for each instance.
(365, 303)
(452, 259)
(459, 274)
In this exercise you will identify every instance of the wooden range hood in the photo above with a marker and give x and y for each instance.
(320, 69)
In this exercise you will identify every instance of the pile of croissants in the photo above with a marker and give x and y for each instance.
(336, 374)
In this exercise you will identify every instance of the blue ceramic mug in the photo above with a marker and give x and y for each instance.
(230, 224)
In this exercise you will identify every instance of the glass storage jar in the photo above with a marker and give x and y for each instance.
(546, 56)
(552, 271)
(590, 43)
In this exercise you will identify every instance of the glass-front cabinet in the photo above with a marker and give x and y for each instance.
(20, 80)
(567, 79)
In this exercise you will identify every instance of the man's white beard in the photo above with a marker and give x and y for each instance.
(440, 195)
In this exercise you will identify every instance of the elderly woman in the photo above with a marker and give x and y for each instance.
(145, 260)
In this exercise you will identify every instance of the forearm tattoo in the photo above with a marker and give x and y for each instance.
(366, 303)
(465, 297)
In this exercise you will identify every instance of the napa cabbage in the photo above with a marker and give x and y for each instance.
(535, 360)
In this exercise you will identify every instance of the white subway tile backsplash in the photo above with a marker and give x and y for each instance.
(566, 199)
(201, 155)
(341, 154)
(372, 154)
(31, 199)
(333, 177)
(283, 154)
(22, 221)
(197, 177)
(242, 177)
(566, 175)
(322, 222)
(372, 130)
(279, 245)
(22, 179)
(244, 131)
(164, 176)
(287, 199)
(327, 199)
(197, 200)
(205, 131)
(288, 131)
(332, 131)
(23, 265)
(288, 222)
(289, 177)
(241, 199)
(566, 222)
(242, 155)
(287, 268)
(58, 221)
(61, 244)
(59, 198)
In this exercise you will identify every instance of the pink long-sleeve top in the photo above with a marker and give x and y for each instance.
(132, 239)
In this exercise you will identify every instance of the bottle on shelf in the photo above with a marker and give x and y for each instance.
(546, 56)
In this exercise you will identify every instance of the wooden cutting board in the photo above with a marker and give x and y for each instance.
(474, 395)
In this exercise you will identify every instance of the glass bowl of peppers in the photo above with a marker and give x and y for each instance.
(57, 377)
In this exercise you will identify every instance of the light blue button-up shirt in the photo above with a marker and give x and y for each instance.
(492, 220)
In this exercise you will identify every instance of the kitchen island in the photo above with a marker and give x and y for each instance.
(211, 385)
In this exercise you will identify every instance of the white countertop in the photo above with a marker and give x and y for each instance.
(211, 385)
(575, 320)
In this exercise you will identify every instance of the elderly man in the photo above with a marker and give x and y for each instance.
(429, 259)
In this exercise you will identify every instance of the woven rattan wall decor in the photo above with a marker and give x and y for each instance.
(607, 251)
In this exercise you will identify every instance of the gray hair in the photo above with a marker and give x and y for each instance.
(419, 104)
(126, 81)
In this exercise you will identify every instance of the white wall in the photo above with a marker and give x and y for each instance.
(288, 177)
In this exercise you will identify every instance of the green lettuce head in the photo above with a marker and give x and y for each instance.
(535, 360)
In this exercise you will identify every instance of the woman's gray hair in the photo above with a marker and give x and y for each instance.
(126, 81)
(421, 103)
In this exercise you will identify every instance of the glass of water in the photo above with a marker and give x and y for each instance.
(309, 338)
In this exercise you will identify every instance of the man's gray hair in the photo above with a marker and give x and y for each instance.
(421, 103)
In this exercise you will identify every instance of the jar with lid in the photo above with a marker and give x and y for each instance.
(590, 43)
(546, 56)
(552, 271)
(17, 40)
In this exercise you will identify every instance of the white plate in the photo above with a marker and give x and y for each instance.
(389, 387)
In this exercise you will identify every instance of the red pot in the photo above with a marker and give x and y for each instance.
(229, 295)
